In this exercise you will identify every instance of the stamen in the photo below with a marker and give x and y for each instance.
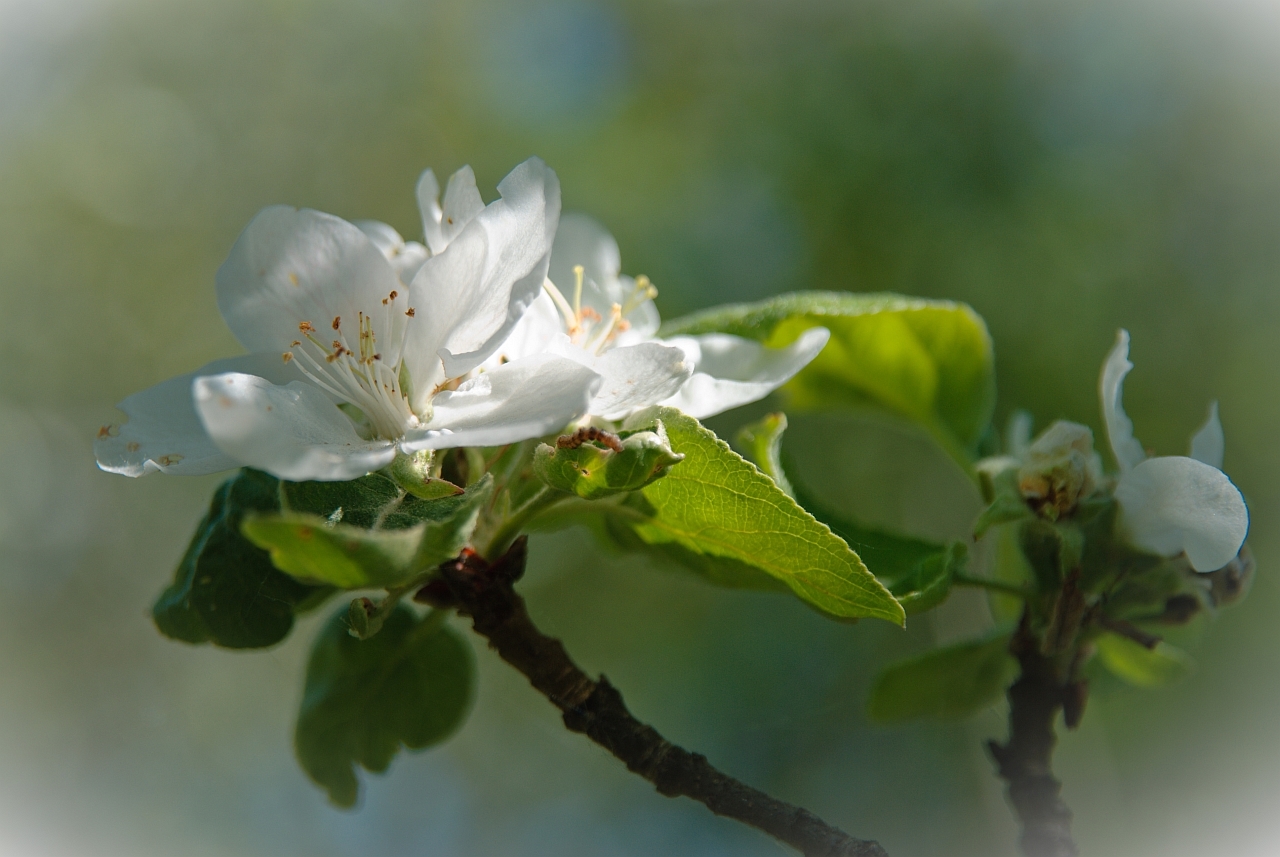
(643, 291)
(578, 272)
(570, 317)
(607, 332)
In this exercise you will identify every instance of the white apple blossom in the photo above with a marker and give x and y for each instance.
(363, 345)
(1172, 504)
(592, 314)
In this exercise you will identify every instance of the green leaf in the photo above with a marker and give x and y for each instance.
(373, 501)
(312, 549)
(949, 682)
(411, 685)
(1140, 666)
(763, 443)
(928, 360)
(226, 591)
(718, 504)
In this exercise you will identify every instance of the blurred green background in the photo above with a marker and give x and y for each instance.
(1066, 166)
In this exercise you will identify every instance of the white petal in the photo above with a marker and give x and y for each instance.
(291, 266)
(636, 376)
(1208, 443)
(1173, 504)
(468, 298)
(292, 431)
(405, 257)
(730, 371)
(462, 203)
(525, 399)
(1127, 449)
(165, 434)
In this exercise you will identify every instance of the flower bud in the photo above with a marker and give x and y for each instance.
(595, 464)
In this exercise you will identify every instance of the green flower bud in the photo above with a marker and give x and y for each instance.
(593, 464)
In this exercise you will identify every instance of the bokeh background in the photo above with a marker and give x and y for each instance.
(1066, 166)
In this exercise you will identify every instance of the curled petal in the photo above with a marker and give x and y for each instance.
(524, 399)
(291, 266)
(1127, 449)
(293, 431)
(636, 376)
(729, 371)
(1173, 504)
(164, 433)
(1208, 443)
(462, 203)
(470, 296)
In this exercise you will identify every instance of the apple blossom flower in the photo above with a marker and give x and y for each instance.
(363, 346)
(1172, 504)
(592, 314)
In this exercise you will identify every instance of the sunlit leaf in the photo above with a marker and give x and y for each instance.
(928, 360)
(410, 685)
(717, 504)
(313, 549)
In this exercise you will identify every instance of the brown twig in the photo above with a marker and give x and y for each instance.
(594, 708)
(1025, 760)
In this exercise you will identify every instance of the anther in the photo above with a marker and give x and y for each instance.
(295, 343)
(305, 327)
(409, 312)
(337, 321)
(394, 294)
(287, 356)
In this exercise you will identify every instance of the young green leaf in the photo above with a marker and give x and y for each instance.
(226, 591)
(410, 685)
(373, 501)
(1140, 666)
(763, 443)
(949, 682)
(930, 361)
(312, 549)
(716, 503)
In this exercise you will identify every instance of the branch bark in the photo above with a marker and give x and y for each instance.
(484, 592)
(1025, 761)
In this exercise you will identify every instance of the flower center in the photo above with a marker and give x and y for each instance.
(360, 376)
(584, 324)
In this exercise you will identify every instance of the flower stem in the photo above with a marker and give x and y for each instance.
(1024, 761)
(507, 531)
(483, 591)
